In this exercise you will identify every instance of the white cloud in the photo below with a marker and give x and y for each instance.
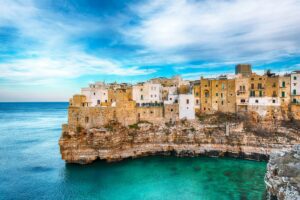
(51, 54)
(43, 70)
(219, 30)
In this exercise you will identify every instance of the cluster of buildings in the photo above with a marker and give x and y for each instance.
(172, 99)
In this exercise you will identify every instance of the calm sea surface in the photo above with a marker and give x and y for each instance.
(31, 166)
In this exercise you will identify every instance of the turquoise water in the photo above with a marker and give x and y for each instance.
(31, 167)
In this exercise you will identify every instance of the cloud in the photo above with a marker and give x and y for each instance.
(37, 70)
(51, 51)
(219, 30)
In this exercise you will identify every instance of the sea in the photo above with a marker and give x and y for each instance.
(31, 167)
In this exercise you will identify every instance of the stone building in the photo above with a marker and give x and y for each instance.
(96, 93)
(223, 95)
(284, 91)
(205, 95)
(218, 95)
(295, 87)
(243, 69)
(197, 92)
(186, 106)
(242, 93)
(148, 92)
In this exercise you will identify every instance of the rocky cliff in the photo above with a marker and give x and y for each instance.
(234, 138)
(283, 175)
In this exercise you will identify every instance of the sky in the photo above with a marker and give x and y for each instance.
(49, 49)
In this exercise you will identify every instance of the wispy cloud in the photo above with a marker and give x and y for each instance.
(52, 52)
(219, 30)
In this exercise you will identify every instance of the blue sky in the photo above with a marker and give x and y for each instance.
(49, 49)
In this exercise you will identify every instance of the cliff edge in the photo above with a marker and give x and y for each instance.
(283, 175)
(114, 141)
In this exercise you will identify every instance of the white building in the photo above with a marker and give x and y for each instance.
(147, 93)
(186, 106)
(96, 93)
(172, 98)
(295, 87)
(264, 101)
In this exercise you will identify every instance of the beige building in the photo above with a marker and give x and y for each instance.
(242, 93)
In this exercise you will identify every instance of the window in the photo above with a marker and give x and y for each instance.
(216, 85)
(283, 84)
(274, 84)
(98, 101)
(187, 101)
(94, 93)
(252, 79)
(259, 86)
(222, 102)
(221, 95)
(256, 101)
(171, 110)
(252, 93)
(217, 94)
(141, 89)
(282, 94)
(294, 101)
(197, 94)
(274, 94)
(105, 101)
(260, 93)
(197, 101)
(170, 99)
(295, 77)
(273, 101)
(259, 78)
(206, 94)
(142, 97)
(223, 86)
(252, 86)
(243, 100)
(86, 119)
(294, 92)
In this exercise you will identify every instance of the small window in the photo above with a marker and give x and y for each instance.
(98, 101)
(283, 84)
(197, 101)
(282, 94)
(94, 93)
(187, 101)
(216, 85)
(197, 94)
(252, 86)
(217, 94)
(86, 119)
(171, 110)
(294, 92)
(295, 77)
(243, 100)
(274, 101)
(256, 101)
(294, 101)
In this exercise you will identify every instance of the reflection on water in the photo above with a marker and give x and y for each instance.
(31, 167)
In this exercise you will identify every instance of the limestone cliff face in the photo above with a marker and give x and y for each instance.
(283, 175)
(116, 142)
